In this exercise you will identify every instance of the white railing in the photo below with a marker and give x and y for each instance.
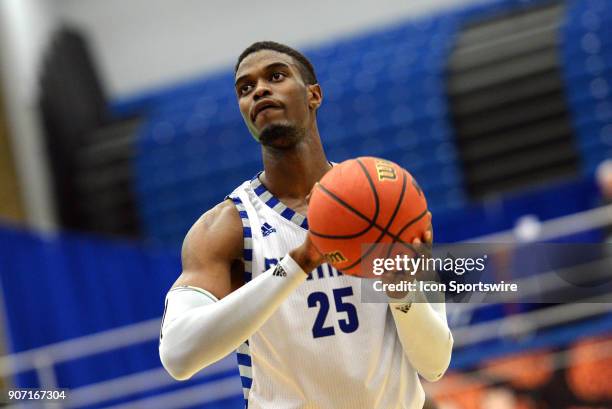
(44, 359)
(559, 227)
(87, 345)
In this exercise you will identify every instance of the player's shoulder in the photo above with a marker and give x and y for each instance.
(223, 216)
(218, 228)
(223, 213)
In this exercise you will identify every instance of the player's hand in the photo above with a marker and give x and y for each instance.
(307, 255)
(427, 237)
(421, 246)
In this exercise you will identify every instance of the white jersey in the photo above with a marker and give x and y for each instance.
(323, 348)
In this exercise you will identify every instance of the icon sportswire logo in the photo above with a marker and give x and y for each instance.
(267, 229)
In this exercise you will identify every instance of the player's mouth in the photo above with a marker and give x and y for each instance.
(263, 106)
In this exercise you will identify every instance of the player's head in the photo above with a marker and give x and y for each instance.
(278, 93)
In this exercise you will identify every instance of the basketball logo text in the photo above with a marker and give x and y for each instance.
(385, 170)
(335, 257)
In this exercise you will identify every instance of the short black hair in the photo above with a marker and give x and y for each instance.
(304, 65)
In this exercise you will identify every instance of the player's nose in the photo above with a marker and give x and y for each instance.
(261, 91)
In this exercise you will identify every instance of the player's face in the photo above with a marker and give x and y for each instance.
(273, 98)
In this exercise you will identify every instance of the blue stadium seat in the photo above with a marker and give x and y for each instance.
(384, 95)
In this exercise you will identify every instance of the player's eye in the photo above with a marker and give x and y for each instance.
(277, 76)
(245, 89)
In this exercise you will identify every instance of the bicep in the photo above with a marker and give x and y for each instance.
(210, 251)
(215, 279)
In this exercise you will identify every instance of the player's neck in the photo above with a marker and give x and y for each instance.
(292, 173)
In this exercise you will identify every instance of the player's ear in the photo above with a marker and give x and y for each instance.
(315, 96)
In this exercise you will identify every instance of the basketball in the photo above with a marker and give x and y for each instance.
(363, 202)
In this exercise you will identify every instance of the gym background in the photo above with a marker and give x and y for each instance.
(119, 127)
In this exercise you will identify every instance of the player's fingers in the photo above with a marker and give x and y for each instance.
(312, 247)
(428, 237)
(417, 245)
(309, 195)
(422, 247)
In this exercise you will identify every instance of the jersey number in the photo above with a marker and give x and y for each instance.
(348, 325)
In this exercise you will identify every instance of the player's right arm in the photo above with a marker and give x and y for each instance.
(208, 312)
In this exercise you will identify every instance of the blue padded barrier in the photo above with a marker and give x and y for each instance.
(61, 287)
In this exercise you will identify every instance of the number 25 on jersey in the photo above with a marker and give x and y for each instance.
(320, 299)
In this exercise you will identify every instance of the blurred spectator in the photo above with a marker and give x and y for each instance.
(591, 369)
(603, 176)
(529, 370)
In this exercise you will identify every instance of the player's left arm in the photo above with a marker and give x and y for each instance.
(423, 330)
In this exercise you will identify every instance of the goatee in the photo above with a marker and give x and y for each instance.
(281, 136)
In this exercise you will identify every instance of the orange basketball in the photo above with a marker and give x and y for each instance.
(363, 202)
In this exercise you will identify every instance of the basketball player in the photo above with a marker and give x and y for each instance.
(253, 281)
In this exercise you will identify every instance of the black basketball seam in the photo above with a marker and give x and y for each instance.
(397, 206)
(386, 229)
(350, 208)
(372, 223)
(396, 239)
(343, 203)
(364, 217)
(373, 188)
(411, 222)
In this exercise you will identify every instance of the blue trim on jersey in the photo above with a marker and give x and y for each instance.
(273, 201)
(246, 382)
(247, 253)
(260, 190)
(275, 204)
(287, 213)
(243, 359)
